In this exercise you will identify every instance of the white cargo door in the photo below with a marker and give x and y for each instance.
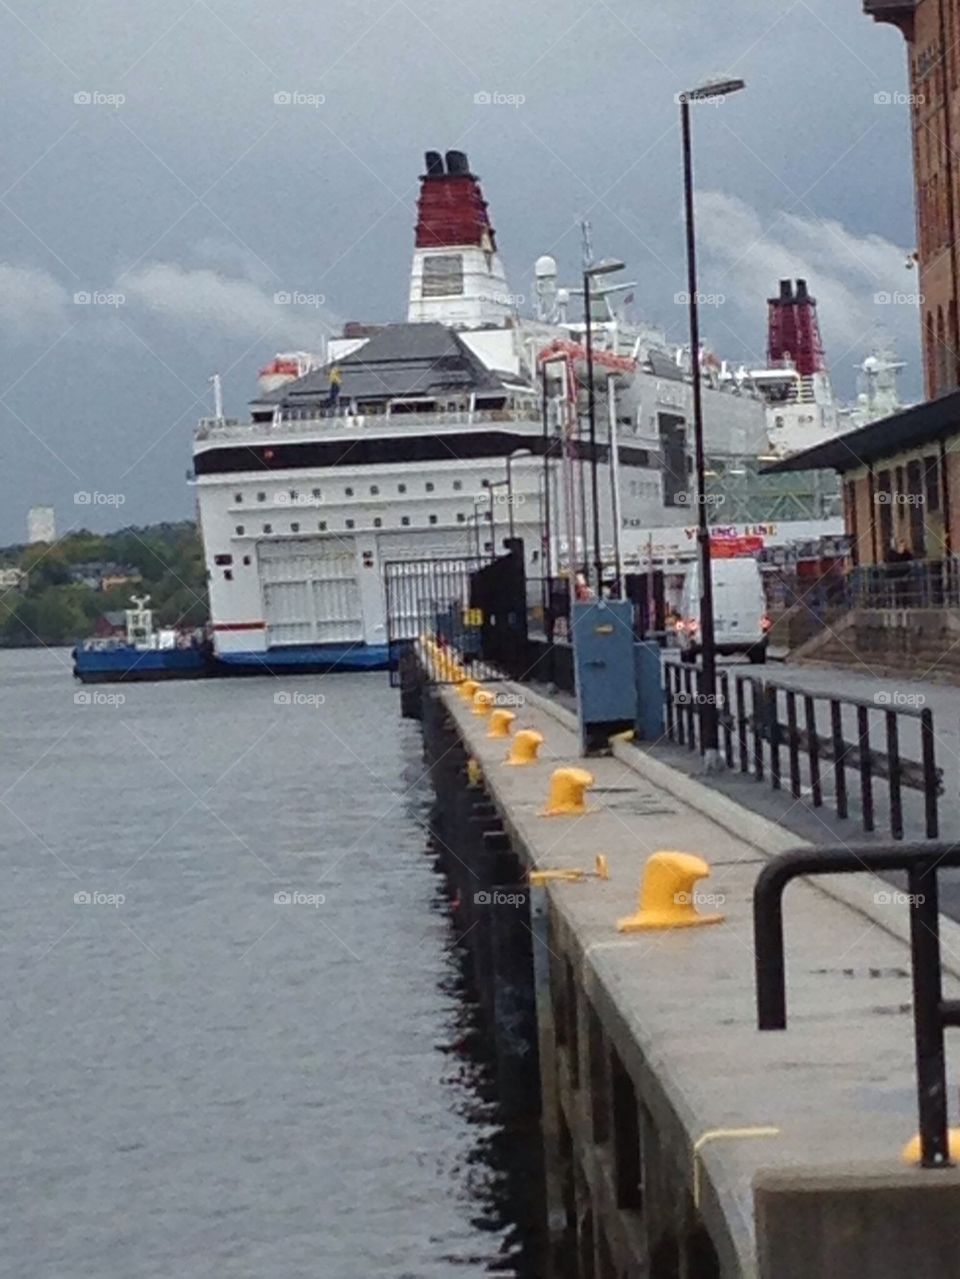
(310, 592)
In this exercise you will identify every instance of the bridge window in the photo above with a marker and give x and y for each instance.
(429, 486)
(433, 519)
(374, 490)
(348, 492)
(378, 522)
(349, 523)
(401, 488)
(457, 485)
(405, 520)
(294, 527)
(239, 530)
(261, 497)
(461, 518)
(322, 526)
(238, 498)
(268, 528)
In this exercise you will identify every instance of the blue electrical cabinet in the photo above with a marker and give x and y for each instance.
(605, 672)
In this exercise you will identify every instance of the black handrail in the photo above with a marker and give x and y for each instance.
(931, 1012)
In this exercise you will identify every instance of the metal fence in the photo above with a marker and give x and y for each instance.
(907, 584)
(821, 738)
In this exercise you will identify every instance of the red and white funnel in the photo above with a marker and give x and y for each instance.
(457, 277)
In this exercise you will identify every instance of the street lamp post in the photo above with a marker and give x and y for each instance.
(709, 719)
(601, 268)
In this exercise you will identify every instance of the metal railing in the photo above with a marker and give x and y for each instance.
(907, 584)
(931, 1012)
(823, 738)
(214, 429)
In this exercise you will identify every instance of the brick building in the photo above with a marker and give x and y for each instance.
(931, 29)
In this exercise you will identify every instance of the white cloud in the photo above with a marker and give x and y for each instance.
(745, 254)
(31, 300)
(205, 299)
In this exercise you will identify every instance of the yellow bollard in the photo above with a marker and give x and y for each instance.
(467, 689)
(482, 702)
(524, 748)
(500, 722)
(567, 788)
(911, 1151)
(666, 898)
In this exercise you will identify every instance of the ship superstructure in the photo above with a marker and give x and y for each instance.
(437, 437)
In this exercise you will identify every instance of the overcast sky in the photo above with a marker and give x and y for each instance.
(144, 156)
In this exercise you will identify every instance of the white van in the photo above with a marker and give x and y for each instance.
(740, 622)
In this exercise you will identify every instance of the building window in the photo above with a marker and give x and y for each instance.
(374, 490)
(268, 528)
(239, 530)
(378, 522)
(401, 488)
(348, 492)
(405, 520)
(457, 485)
(931, 475)
(433, 519)
(322, 526)
(261, 497)
(429, 486)
(238, 499)
(461, 518)
(349, 523)
(294, 527)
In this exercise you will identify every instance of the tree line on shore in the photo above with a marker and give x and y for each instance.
(53, 605)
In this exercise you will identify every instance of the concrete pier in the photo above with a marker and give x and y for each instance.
(678, 1140)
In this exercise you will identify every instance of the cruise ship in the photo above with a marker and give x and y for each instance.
(432, 439)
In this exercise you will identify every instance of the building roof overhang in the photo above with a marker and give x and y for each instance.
(926, 423)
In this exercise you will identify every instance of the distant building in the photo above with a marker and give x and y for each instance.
(104, 576)
(12, 578)
(111, 625)
(41, 525)
(931, 29)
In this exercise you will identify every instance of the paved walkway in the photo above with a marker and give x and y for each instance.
(838, 1085)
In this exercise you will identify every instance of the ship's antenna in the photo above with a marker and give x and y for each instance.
(217, 397)
(586, 240)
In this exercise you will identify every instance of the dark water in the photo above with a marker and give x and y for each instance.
(200, 1081)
